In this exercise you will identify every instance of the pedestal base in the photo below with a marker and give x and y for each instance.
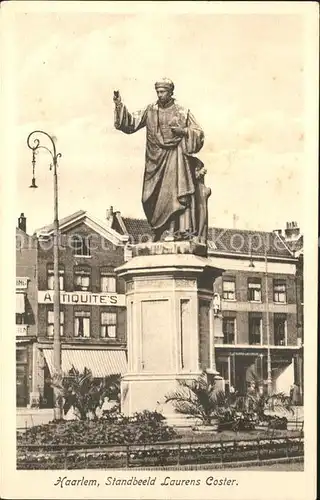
(170, 328)
(142, 391)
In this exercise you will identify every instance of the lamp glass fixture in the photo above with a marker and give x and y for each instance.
(33, 183)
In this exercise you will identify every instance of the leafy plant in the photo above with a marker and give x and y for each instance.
(198, 398)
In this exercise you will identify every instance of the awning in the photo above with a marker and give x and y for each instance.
(100, 362)
(20, 303)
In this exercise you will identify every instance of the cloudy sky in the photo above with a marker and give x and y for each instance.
(242, 76)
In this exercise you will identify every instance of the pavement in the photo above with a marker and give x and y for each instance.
(34, 416)
(30, 417)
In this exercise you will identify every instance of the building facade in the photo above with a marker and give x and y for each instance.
(26, 312)
(92, 302)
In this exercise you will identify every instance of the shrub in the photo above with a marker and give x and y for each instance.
(85, 393)
(198, 398)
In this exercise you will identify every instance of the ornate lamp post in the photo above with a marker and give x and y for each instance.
(269, 372)
(34, 144)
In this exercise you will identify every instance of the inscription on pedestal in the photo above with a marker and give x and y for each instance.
(152, 283)
(169, 247)
(184, 283)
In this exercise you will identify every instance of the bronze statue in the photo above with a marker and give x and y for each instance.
(174, 196)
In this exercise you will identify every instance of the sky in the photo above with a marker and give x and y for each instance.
(242, 76)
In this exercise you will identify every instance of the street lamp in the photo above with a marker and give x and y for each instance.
(269, 377)
(35, 145)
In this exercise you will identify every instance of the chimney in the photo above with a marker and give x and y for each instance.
(109, 216)
(292, 231)
(22, 223)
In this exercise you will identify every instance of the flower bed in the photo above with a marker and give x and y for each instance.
(102, 432)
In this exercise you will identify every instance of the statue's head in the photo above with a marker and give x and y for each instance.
(164, 89)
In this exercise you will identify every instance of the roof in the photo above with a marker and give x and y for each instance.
(62, 222)
(137, 228)
(296, 246)
(97, 225)
(222, 240)
(249, 242)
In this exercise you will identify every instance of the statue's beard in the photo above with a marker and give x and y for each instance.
(165, 101)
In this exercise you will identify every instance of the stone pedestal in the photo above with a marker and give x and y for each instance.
(169, 324)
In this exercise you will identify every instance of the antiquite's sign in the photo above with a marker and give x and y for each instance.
(83, 298)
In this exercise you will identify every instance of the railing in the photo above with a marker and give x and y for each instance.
(171, 453)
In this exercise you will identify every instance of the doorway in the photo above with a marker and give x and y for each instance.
(22, 394)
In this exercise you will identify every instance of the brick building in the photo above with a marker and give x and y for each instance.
(92, 316)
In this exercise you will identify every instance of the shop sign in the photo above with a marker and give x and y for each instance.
(21, 283)
(83, 298)
(21, 330)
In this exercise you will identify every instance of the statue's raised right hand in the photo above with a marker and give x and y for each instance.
(116, 97)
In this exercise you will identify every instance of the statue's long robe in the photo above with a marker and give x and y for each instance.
(169, 178)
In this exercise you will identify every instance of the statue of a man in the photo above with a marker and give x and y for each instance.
(174, 196)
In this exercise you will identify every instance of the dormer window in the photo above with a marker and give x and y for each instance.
(81, 245)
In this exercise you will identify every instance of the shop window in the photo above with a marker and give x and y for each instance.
(50, 323)
(107, 281)
(21, 356)
(81, 245)
(279, 291)
(229, 289)
(82, 324)
(254, 290)
(229, 330)
(280, 329)
(108, 325)
(255, 329)
(82, 278)
(50, 277)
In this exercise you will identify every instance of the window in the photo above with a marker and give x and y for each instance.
(254, 290)
(280, 291)
(107, 281)
(21, 355)
(81, 245)
(82, 324)
(229, 289)
(50, 277)
(108, 325)
(229, 330)
(50, 323)
(280, 329)
(82, 278)
(255, 327)
(20, 319)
